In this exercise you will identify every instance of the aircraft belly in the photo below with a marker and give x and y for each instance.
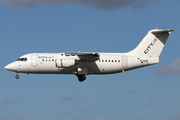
(105, 68)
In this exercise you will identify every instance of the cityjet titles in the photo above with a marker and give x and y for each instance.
(150, 45)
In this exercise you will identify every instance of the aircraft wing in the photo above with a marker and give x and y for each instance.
(85, 56)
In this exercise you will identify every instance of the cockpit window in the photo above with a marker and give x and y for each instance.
(21, 59)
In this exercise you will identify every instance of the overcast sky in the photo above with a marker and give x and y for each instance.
(29, 26)
(99, 4)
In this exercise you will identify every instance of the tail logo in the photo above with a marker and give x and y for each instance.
(150, 45)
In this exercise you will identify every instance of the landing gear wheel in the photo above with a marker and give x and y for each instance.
(17, 77)
(81, 78)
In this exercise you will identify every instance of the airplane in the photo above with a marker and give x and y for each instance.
(82, 64)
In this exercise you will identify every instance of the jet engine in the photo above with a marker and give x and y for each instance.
(66, 63)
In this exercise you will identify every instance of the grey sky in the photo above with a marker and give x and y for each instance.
(171, 69)
(98, 4)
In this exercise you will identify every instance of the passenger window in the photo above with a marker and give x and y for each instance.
(52, 59)
(42, 59)
(109, 61)
(112, 60)
(102, 60)
(115, 61)
(118, 60)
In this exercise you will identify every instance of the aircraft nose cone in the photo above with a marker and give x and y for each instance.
(14, 66)
(7, 67)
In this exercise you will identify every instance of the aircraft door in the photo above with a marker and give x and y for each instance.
(124, 61)
(34, 61)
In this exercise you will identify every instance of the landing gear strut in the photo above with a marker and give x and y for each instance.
(81, 77)
(17, 76)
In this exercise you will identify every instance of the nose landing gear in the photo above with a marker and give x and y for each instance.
(17, 76)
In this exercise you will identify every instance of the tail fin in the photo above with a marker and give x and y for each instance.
(153, 43)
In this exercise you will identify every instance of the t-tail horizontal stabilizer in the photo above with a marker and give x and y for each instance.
(152, 44)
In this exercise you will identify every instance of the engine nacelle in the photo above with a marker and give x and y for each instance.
(65, 63)
(68, 63)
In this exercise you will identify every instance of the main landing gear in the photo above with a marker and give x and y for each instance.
(81, 78)
(17, 76)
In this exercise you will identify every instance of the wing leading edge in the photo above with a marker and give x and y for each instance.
(87, 56)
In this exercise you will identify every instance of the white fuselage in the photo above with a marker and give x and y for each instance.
(108, 63)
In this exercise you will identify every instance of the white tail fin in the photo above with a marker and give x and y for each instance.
(152, 44)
